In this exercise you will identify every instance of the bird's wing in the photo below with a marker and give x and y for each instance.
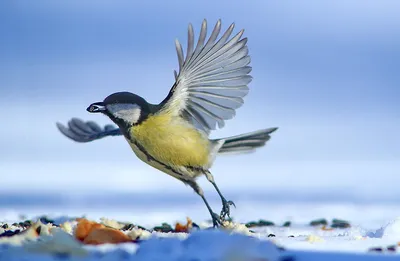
(212, 78)
(81, 131)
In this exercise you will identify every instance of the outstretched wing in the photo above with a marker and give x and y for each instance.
(81, 131)
(212, 78)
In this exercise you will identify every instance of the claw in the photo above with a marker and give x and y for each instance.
(225, 212)
(230, 202)
(217, 221)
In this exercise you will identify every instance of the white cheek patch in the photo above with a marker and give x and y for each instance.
(127, 112)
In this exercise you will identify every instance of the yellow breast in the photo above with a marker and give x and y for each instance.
(172, 141)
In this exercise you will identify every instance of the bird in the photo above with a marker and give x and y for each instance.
(173, 135)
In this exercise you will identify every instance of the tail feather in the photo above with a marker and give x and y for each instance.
(247, 142)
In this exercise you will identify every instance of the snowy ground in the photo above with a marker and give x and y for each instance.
(373, 225)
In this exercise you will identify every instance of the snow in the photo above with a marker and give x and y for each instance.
(372, 226)
(199, 245)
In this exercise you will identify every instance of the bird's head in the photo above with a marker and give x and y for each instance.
(123, 108)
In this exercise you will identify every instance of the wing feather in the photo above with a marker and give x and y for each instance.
(200, 43)
(215, 95)
(190, 41)
(81, 131)
(200, 108)
(212, 79)
(215, 105)
(179, 51)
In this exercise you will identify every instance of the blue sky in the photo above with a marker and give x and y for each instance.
(325, 72)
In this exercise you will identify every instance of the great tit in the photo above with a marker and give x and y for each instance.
(172, 136)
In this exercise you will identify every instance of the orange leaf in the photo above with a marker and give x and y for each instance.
(105, 235)
(184, 228)
(84, 227)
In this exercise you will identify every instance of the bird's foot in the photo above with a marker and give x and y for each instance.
(226, 208)
(216, 219)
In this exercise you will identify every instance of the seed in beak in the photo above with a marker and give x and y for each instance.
(96, 107)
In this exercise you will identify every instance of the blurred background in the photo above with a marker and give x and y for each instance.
(325, 72)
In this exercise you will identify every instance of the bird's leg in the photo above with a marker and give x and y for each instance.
(215, 218)
(225, 212)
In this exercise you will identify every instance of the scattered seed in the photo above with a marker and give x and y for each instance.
(127, 227)
(45, 220)
(318, 222)
(10, 233)
(251, 224)
(165, 228)
(340, 225)
(263, 223)
(27, 223)
(336, 220)
(375, 249)
(194, 225)
(142, 228)
(38, 229)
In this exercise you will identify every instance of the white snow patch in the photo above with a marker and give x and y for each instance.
(390, 231)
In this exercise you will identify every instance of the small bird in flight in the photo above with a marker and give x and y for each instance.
(172, 136)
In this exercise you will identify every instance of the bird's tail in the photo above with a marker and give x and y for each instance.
(247, 142)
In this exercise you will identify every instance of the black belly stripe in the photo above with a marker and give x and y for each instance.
(144, 151)
(151, 158)
(192, 168)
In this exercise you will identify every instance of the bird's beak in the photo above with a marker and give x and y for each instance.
(96, 107)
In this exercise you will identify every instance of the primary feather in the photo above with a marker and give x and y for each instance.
(212, 78)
